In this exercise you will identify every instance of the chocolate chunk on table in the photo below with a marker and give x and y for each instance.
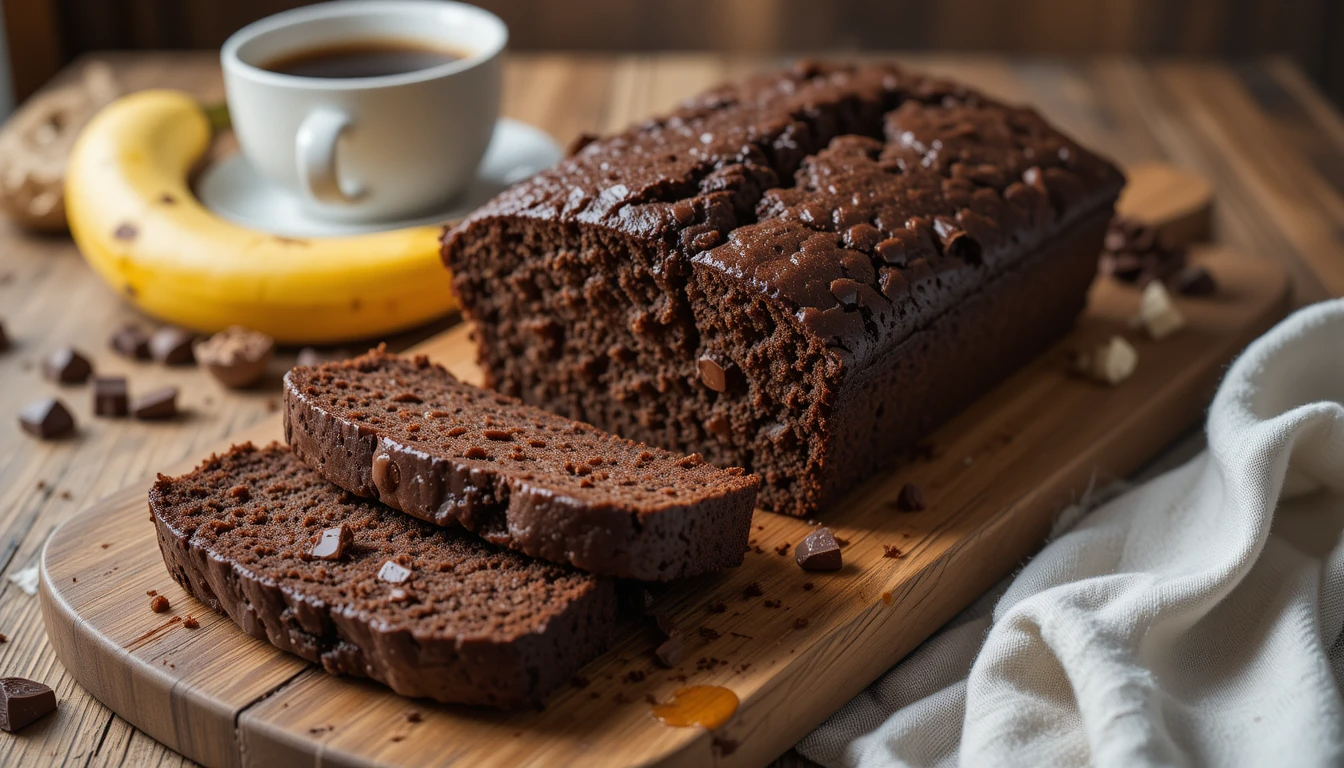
(911, 498)
(67, 366)
(236, 356)
(109, 396)
(1195, 280)
(156, 405)
(172, 346)
(23, 701)
(819, 552)
(47, 419)
(130, 341)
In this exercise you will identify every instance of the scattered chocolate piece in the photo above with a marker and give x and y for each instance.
(669, 653)
(394, 573)
(713, 374)
(67, 366)
(413, 716)
(709, 633)
(236, 356)
(666, 625)
(892, 551)
(151, 592)
(156, 405)
(130, 341)
(172, 346)
(109, 396)
(159, 604)
(1192, 281)
(753, 590)
(190, 622)
(4, 340)
(800, 623)
(773, 603)
(783, 549)
(1135, 253)
(4, 638)
(634, 676)
(808, 586)
(717, 607)
(911, 498)
(23, 701)
(46, 419)
(819, 552)
(332, 543)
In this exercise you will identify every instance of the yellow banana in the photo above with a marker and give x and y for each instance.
(139, 226)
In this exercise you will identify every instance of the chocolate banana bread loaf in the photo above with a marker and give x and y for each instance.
(800, 274)
(404, 431)
(368, 591)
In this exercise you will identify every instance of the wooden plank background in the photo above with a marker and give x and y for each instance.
(1269, 142)
(45, 32)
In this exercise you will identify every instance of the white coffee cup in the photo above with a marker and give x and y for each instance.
(368, 148)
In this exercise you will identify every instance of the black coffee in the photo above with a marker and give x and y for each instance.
(364, 58)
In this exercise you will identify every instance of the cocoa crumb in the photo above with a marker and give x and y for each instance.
(772, 603)
(3, 638)
(634, 676)
(800, 623)
(709, 633)
(190, 622)
(783, 549)
(152, 593)
(716, 608)
(807, 586)
(159, 604)
(104, 546)
(891, 551)
(66, 495)
(753, 590)
(413, 716)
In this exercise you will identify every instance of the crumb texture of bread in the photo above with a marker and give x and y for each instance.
(799, 274)
(472, 623)
(406, 432)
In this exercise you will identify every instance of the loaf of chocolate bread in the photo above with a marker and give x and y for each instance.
(406, 432)
(368, 591)
(800, 274)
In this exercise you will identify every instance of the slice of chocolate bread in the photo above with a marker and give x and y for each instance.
(404, 431)
(368, 591)
(801, 273)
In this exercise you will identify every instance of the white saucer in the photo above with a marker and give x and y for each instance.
(235, 191)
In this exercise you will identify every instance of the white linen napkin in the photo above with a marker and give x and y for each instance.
(1195, 620)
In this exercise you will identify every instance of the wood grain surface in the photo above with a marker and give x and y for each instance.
(1270, 144)
(792, 654)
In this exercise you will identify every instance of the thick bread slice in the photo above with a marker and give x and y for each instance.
(404, 431)
(470, 623)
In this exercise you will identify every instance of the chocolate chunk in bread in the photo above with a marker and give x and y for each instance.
(473, 624)
(404, 431)
(801, 274)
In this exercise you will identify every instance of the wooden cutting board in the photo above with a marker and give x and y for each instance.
(790, 656)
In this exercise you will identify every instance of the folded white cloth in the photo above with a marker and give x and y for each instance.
(1195, 620)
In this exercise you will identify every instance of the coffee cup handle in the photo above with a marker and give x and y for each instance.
(315, 148)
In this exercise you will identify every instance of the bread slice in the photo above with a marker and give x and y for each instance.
(466, 622)
(406, 432)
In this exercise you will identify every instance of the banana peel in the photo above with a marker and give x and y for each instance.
(139, 226)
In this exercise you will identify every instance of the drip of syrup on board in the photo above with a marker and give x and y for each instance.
(708, 706)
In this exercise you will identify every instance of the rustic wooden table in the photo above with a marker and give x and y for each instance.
(1269, 142)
